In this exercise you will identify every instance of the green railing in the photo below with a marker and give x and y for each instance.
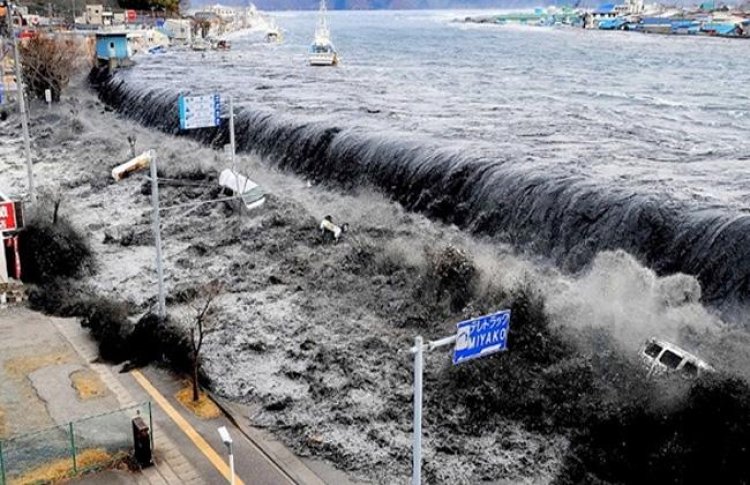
(67, 450)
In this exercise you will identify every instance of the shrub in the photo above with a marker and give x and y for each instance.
(50, 250)
(60, 297)
(153, 340)
(107, 320)
(149, 340)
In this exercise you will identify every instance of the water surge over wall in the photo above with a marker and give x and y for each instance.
(566, 217)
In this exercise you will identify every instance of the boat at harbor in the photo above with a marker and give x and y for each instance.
(273, 34)
(322, 51)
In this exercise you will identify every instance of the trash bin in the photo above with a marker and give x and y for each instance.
(142, 442)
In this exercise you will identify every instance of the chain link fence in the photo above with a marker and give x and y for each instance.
(67, 450)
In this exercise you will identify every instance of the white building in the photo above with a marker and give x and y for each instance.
(97, 15)
(180, 29)
(635, 7)
(227, 14)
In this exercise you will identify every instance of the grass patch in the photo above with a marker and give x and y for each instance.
(63, 468)
(204, 408)
(87, 385)
(20, 367)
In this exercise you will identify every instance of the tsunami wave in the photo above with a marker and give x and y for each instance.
(568, 218)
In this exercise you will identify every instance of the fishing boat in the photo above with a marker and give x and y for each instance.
(273, 34)
(322, 52)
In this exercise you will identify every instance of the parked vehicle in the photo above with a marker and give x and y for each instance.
(663, 357)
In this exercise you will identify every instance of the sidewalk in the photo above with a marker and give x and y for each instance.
(187, 449)
(39, 358)
(170, 464)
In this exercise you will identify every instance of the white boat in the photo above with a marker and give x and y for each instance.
(322, 52)
(273, 34)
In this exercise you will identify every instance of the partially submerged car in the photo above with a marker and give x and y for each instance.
(662, 357)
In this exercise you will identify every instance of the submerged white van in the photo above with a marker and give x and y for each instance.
(662, 357)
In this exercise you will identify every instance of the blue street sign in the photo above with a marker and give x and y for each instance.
(481, 336)
(199, 111)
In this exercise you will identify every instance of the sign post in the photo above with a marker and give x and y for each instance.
(205, 112)
(478, 337)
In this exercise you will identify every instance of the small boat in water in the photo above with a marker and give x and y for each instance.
(322, 52)
(273, 34)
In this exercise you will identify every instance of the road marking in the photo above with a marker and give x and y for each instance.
(182, 423)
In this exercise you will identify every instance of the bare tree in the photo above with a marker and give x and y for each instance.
(52, 197)
(49, 62)
(201, 325)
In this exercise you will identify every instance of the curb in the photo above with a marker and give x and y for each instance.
(277, 453)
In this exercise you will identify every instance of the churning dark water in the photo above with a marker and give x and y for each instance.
(562, 141)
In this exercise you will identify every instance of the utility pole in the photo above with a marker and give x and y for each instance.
(231, 129)
(157, 235)
(74, 14)
(416, 457)
(21, 101)
(233, 150)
